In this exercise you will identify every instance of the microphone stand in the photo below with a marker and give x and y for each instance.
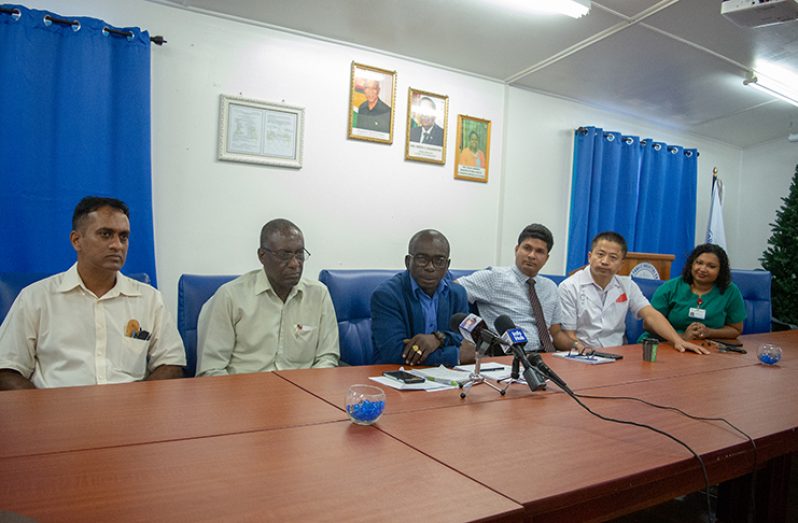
(475, 378)
(535, 379)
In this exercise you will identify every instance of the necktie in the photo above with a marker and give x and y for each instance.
(540, 319)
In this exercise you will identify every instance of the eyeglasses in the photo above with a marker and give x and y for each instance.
(286, 256)
(422, 260)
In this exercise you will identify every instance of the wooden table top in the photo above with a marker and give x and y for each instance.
(73, 418)
(332, 472)
(550, 455)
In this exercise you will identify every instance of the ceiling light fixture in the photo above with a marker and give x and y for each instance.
(772, 87)
(572, 8)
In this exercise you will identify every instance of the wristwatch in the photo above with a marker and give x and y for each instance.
(440, 336)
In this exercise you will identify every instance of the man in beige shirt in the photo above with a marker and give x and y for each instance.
(91, 324)
(271, 318)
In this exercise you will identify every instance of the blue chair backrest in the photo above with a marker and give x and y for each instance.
(193, 290)
(755, 288)
(11, 283)
(350, 290)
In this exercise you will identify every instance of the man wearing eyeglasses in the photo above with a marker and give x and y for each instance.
(270, 318)
(410, 313)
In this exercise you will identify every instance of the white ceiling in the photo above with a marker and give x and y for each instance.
(676, 63)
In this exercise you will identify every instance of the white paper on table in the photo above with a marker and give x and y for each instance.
(492, 370)
(427, 385)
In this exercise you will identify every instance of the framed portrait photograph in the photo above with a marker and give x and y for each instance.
(472, 154)
(372, 93)
(426, 126)
(254, 131)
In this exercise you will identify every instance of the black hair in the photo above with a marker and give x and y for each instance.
(90, 204)
(724, 273)
(610, 236)
(538, 232)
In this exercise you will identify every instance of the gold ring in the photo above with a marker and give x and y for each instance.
(416, 348)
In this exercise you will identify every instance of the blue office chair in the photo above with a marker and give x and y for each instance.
(193, 290)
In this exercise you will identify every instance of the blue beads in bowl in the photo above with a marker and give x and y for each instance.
(769, 354)
(364, 404)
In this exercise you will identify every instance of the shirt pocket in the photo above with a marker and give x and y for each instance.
(306, 339)
(131, 358)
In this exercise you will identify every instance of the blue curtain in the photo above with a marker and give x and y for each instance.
(75, 102)
(644, 190)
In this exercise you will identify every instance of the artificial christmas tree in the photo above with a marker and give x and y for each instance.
(781, 257)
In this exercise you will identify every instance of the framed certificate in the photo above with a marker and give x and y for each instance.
(254, 131)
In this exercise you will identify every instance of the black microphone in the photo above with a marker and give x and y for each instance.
(505, 325)
(515, 342)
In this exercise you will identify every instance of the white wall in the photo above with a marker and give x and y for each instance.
(359, 202)
(767, 170)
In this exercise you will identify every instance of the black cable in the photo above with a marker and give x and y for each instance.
(658, 431)
(699, 418)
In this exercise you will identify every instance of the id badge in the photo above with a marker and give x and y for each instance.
(697, 314)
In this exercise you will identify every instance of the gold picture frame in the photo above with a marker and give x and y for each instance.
(372, 97)
(427, 116)
(472, 154)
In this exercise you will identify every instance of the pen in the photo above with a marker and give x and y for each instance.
(492, 369)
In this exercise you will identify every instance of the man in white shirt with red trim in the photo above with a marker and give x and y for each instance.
(91, 324)
(595, 300)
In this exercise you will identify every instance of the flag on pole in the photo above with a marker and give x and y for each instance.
(716, 233)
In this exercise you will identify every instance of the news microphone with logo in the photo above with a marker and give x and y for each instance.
(505, 324)
(513, 340)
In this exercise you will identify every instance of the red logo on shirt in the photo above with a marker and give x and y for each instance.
(622, 298)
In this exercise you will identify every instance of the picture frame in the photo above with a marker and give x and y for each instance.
(254, 131)
(372, 97)
(427, 115)
(472, 153)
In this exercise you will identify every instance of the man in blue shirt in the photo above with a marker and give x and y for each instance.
(410, 313)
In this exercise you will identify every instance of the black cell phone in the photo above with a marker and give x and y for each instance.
(608, 355)
(403, 376)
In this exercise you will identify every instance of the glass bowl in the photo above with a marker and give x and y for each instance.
(364, 404)
(769, 354)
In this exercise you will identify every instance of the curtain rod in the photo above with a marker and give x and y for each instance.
(157, 40)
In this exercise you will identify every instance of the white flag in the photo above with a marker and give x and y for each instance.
(716, 233)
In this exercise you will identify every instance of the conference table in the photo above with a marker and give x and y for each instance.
(279, 446)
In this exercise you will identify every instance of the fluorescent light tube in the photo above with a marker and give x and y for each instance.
(772, 87)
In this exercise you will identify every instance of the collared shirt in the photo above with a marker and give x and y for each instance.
(59, 334)
(429, 304)
(504, 290)
(245, 327)
(599, 315)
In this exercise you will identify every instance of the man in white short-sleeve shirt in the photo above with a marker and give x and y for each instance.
(91, 324)
(595, 300)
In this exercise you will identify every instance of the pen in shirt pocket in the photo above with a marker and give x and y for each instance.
(134, 330)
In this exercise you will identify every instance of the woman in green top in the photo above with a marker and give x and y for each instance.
(703, 302)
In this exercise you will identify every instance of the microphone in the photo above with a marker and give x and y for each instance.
(474, 329)
(505, 324)
(514, 339)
